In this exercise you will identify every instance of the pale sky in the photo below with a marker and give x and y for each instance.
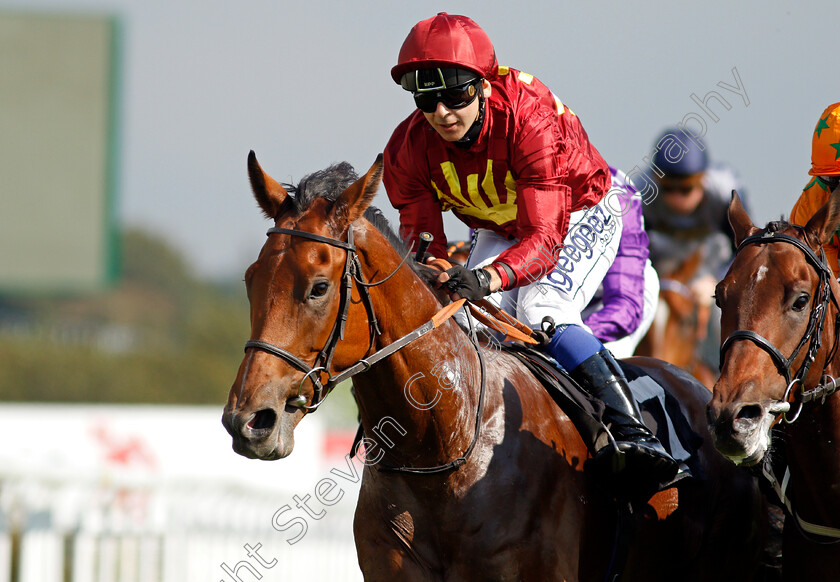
(306, 84)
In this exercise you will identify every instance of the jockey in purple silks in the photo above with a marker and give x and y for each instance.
(622, 311)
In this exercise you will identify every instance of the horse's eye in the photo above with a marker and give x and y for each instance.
(801, 302)
(319, 289)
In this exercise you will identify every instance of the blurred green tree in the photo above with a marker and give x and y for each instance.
(160, 335)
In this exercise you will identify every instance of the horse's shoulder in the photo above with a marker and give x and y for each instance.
(519, 385)
(540, 398)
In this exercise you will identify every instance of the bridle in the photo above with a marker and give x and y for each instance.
(323, 361)
(814, 533)
(813, 332)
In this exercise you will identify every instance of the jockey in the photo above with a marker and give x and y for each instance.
(499, 149)
(825, 169)
(690, 212)
(689, 215)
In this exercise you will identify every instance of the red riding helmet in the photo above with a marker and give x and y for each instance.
(446, 41)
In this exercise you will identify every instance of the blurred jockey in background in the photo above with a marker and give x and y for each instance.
(688, 216)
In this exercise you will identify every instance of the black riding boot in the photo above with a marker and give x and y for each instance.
(637, 457)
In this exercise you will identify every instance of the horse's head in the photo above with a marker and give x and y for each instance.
(297, 297)
(777, 315)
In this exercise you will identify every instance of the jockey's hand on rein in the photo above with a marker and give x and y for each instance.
(471, 284)
(425, 259)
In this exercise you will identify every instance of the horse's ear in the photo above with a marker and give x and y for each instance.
(739, 220)
(825, 221)
(352, 203)
(270, 195)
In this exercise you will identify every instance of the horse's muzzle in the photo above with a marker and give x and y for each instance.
(739, 430)
(258, 435)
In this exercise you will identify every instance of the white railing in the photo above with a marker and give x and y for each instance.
(105, 524)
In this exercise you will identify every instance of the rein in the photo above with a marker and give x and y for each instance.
(323, 361)
(807, 529)
(813, 333)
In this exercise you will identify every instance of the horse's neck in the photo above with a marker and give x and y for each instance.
(429, 388)
(814, 458)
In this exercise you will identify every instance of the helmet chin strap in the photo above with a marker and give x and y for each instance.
(475, 129)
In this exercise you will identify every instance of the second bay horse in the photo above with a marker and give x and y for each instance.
(780, 318)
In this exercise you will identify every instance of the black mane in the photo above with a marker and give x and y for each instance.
(776, 226)
(380, 223)
(328, 183)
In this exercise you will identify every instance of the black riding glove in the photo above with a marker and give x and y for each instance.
(470, 284)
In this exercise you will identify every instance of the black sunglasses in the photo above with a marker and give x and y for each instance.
(454, 98)
(682, 190)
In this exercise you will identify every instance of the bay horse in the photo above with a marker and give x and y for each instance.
(680, 324)
(780, 319)
(472, 472)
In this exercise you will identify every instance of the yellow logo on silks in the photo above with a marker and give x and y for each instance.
(825, 148)
(560, 107)
(528, 79)
(471, 203)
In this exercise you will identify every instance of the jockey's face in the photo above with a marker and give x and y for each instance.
(452, 124)
(682, 194)
(831, 181)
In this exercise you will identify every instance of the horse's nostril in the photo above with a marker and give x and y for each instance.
(262, 421)
(749, 412)
(747, 418)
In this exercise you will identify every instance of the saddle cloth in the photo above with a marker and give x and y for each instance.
(661, 411)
